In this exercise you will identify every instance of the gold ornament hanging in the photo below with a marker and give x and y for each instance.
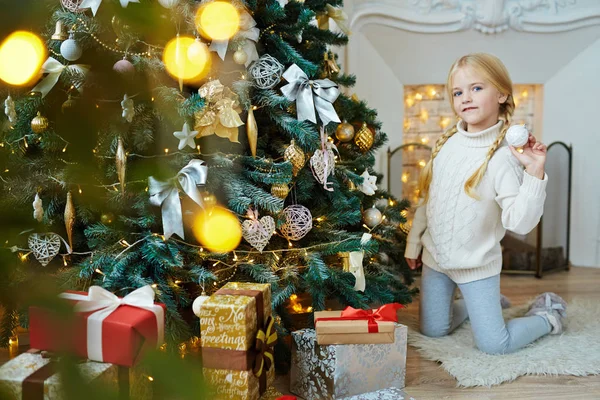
(364, 138)
(295, 155)
(252, 131)
(69, 218)
(345, 258)
(68, 105)
(209, 200)
(39, 123)
(121, 162)
(331, 66)
(59, 32)
(280, 190)
(107, 218)
(240, 57)
(344, 132)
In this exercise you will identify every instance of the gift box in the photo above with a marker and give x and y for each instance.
(355, 326)
(105, 328)
(385, 394)
(237, 336)
(32, 376)
(338, 371)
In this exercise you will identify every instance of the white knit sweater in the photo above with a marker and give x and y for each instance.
(460, 236)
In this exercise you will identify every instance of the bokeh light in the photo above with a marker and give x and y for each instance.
(218, 20)
(217, 229)
(178, 62)
(21, 57)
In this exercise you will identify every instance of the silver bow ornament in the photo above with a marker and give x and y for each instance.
(166, 195)
(248, 32)
(103, 303)
(54, 68)
(309, 95)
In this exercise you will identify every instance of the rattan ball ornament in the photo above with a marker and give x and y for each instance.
(364, 138)
(72, 5)
(39, 123)
(372, 217)
(280, 190)
(266, 72)
(344, 132)
(298, 222)
(124, 67)
(294, 154)
(70, 49)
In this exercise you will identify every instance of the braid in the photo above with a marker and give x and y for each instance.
(427, 172)
(473, 181)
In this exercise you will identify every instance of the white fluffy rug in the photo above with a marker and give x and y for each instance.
(575, 352)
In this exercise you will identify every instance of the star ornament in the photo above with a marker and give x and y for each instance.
(368, 186)
(186, 137)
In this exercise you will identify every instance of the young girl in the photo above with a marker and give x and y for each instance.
(472, 190)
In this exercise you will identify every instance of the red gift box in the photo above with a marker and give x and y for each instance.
(105, 328)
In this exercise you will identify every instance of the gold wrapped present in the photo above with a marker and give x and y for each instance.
(237, 336)
(32, 375)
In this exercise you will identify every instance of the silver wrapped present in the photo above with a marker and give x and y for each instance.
(339, 371)
(385, 394)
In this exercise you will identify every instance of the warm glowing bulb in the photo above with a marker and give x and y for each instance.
(424, 115)
(424, 140)
(218, 20)
(422, 163)
(419, 96)
(217, 229)
(178, 63)
(410, 102)
(444, 122)
(524, 94)
(22, 55)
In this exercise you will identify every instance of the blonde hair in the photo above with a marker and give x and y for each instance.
(493, 71)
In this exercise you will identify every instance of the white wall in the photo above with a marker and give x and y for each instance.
(571, 112)
(380, 88)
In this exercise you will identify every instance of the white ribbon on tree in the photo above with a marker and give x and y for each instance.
(166, 195)
(95, 4)
(247, 32)
(356, 264)
(54, 68)
(309, 95)
(105, 303)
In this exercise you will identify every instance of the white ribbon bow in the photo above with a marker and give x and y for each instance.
(309, 95)
(95, 4)
(248, 31)
(105, 303)
(54, 68)
(166, 195)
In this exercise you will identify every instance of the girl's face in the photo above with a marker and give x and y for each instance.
(475, 100)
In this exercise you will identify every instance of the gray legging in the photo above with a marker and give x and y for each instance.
(440, 315)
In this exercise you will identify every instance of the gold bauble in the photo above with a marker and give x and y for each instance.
(295, 155)
(345, 258)
(252, 131)
(351, 185)
(121, 164)
(209, 200)
(280, 190)
(364, 138)
(344, 132)
(240, 57)
(68, 105)
(39, 123)
(69, 218)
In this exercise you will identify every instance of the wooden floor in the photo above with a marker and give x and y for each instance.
(427, 380)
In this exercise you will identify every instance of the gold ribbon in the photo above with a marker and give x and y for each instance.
(336, 14)
(265, 341)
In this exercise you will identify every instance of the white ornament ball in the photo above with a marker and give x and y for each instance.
(240, 57)
(198, 53)
(372, 217)
(70, 50)
(517, 135)
(124, 67)
(168, 3)
(298, 222)
(198, 303)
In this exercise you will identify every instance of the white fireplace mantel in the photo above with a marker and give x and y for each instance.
(486, 16)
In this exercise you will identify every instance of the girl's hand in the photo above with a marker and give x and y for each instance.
(414, 263)
(533, 157)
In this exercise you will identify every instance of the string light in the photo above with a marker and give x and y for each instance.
(124, 243)
(166, 151)
(154, 285)
(99, 272)
(80, 191)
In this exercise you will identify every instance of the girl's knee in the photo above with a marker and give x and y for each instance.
(434, 331)
(493, 348)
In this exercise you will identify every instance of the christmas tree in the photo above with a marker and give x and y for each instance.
(163, 131)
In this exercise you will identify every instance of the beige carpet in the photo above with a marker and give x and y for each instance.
(575, 352)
